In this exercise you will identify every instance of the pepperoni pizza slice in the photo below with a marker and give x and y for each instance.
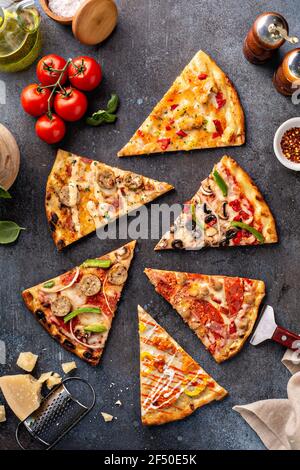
(221, 310)
(172, 384)
(200, 110)
(77, 308)
(227, 210)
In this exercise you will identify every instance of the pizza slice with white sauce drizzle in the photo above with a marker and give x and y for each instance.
(172, 384)
(200, 110)
(83, 195)
(227, 210)
(77, 308)
(221, 310)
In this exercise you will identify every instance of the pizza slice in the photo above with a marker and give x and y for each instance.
(172, 384)
(227, 210)
(221, 310)
(77, 308)
(83, 195)
(200, 110)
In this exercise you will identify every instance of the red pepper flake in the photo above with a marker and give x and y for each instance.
(290, 144)
(236, 205)
(171, 121)
(221, 101)
(164, 143)
(202, 76)
(168, 128)
(219, 129)
(181, 133)
(140, 133)
(174, 106)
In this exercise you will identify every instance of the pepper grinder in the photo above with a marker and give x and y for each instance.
(267, 34)
(287, 77)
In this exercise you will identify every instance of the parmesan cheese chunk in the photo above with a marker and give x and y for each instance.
(27, 361)
(107, 417)
(2, 414)
(44, 377)
(68, 366)
(53, 380)
(22, 393)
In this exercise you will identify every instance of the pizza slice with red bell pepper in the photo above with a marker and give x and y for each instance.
(77, 308)
(200, 110)
(221, 310)
(227, 210)
(173, 385)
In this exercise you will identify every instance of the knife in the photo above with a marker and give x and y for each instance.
(267, 328)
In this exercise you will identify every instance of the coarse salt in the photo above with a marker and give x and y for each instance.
(65, 8)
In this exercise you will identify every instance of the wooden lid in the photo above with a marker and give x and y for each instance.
(9, 158)
(94, 21)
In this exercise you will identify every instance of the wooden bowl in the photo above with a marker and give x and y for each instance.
(60, 19)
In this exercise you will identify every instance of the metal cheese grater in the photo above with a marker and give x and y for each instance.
(59, 412)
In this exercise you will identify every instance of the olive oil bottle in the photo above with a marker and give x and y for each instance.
(20, 40)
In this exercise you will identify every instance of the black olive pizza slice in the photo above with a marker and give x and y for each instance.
(172, 384)
(227, 210)
(221, 310)
(200, 110)
(83, 195)
(77, 308)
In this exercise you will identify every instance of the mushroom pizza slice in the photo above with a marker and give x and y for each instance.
(77, 308)
(172, 384)
(84, 195)
(221, 310)
(227, 210)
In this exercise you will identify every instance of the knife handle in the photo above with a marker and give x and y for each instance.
(286, 338)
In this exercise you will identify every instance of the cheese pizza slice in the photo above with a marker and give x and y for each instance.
(221, 310)
(172, 384)
(200, 110)
(83, 195)
(227, 210)
(77, 308)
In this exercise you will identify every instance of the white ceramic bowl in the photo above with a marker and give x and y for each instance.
(294, 122)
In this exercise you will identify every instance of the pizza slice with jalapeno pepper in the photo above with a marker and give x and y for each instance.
(227, 210)
(83, 195)
(221, 310)
(77, 308)
(200, 110)
(172, 384)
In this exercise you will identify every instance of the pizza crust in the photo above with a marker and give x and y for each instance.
(262, 211)
(184, 88)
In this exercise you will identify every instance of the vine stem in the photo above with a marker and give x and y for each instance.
(55, 85)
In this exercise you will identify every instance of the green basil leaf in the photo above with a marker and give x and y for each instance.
(4, 194)
(96, 119)
(9, 231)
(109, 118)
(113, 104)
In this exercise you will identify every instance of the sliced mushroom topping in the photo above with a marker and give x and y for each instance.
(133, 181)
(117, 274)
(205, 188)
(61, 306)
(90, 284)
(123, 253)
(177, 244)
(107, 179)
(181, 278)
(211, 232)
(69, 195)
(216, 284)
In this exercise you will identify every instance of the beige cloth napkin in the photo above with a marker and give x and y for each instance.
(277, 421)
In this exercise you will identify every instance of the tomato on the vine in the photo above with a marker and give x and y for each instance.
(34, 99)
(85, 73)
(50, 129)
(70, 104)
(49, 69)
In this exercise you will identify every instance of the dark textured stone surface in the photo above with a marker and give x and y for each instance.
(152, 43)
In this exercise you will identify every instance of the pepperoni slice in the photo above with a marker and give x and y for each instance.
(234, 292)
(166, 286)
(205, 312)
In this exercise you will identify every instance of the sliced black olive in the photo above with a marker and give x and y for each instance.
(87, 354)
(225, 215)
(178, 244)
(40, 314)
(231, 234)
(68, 344)
(210, 218)
(206, 210)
